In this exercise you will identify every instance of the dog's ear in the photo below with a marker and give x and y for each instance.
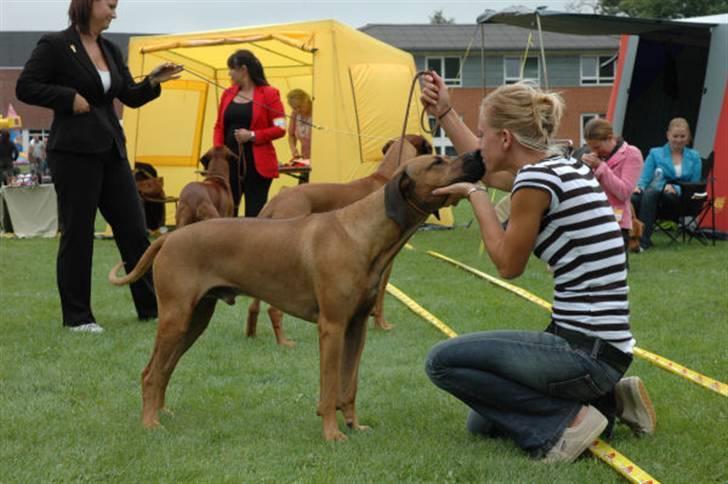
(426, 149)
(205, 159)
(386, 146)
(422, 146)
(395, 203)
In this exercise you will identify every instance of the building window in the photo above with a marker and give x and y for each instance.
(585, 118)
(440, 142)
(597, 70)
(512, 67)
(447, 67)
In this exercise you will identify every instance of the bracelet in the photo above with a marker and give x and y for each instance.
(445, 113)
(476, 188)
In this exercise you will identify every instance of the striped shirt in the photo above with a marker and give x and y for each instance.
(582, 242)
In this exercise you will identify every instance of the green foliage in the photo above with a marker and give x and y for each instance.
(245, 408)
(664, 9)
(438, 18)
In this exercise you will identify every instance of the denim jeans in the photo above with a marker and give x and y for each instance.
(526, 385)
(647, 205)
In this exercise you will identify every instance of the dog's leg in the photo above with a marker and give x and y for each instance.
(379, 321)
(331, 341)
(276, 319)
(173, 340)
(353, 346)
(252, 324)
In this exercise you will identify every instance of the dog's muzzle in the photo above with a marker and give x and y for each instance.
(473, 167)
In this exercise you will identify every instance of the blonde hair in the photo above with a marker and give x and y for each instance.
(301, 96)
(598, 129)
(532, 115)
(680, 123)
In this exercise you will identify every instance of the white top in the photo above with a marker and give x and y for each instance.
(678, 170)
(105, 79)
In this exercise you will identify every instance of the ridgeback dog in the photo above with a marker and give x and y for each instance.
(303, 200)
(210, 198)
(334, 262)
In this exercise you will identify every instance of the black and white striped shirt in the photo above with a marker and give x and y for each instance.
(580, 239)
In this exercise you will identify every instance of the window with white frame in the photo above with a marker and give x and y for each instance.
(512, 67)
(447, 67)
(585, 118)
(597, 69)
(440, 142)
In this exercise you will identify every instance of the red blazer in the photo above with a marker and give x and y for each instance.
(269, 123)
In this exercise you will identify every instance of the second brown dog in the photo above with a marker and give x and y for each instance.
(212, 197)
(311, 198)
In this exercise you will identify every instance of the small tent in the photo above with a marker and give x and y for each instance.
(359, 87)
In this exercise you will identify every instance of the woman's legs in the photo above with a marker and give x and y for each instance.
(121, 206)
(530, 385)
(647, 204)
(77, 180)
(256, 189)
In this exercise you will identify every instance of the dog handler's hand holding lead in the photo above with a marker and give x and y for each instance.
(165, 72)
(435, 96)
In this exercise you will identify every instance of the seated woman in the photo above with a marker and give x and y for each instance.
(299, 130)
(673, 161)
(617, 165)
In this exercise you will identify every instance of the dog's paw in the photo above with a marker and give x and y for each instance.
(357, 427)
(335, 436)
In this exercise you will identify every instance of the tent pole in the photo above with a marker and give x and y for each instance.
(482, 60)
(543, 54)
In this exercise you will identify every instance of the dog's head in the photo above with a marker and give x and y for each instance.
(408, 197)
(217, 161)
(420, 144)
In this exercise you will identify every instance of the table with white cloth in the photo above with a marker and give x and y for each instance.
(29, 211)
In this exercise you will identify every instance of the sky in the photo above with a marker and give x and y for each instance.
(168, 16)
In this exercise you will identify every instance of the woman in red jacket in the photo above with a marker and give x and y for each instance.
(250, 117)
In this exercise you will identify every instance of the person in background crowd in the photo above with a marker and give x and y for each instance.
(37, 156)
(299, 130)
(8, 155)
(548, 391)
(617, 165)
(673, 161)
(78, 73)
(250, 117)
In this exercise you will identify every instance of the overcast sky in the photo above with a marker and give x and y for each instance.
(166, 16)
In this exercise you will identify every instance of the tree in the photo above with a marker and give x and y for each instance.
(438, 18)
(664, 9)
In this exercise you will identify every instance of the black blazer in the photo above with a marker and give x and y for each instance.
(59, 68)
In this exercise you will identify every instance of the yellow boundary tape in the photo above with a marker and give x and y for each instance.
(695, 377)
(625, 467)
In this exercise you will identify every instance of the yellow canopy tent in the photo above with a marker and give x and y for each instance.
(359, 85)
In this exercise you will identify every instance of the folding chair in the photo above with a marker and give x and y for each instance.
(694, 205)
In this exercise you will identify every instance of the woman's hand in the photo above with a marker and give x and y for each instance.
(454, 192)
(637, 190)
(592, 160)
(80, 105)
(165, 72)
(243, 135)
(670, 189)
(435, 97)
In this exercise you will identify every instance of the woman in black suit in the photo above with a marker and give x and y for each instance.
(77, 73)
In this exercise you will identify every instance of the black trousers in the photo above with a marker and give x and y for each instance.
(84, 183)
(255, 190)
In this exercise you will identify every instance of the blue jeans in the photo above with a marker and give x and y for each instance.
(525, 385)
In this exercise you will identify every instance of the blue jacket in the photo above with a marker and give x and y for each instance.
(661, 157)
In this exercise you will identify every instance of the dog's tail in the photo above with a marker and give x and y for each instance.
(145, 262)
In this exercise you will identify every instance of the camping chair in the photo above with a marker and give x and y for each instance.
(684, 220)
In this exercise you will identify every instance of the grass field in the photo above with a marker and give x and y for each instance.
(245, 408)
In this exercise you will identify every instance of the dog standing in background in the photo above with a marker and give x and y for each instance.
(212, 197)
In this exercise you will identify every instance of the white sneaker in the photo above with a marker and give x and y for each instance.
(575, 440)
(634, 406)
(87, 328)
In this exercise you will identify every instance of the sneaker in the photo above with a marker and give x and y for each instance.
(575, 440)
(634, 406)
(86, 328)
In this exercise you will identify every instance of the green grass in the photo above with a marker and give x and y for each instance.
(245, 408)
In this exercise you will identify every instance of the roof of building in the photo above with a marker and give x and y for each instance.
(16, 47)
(457, 37)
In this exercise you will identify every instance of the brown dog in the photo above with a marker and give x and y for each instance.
(323, 197)
(210, 198)
(334, 262)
